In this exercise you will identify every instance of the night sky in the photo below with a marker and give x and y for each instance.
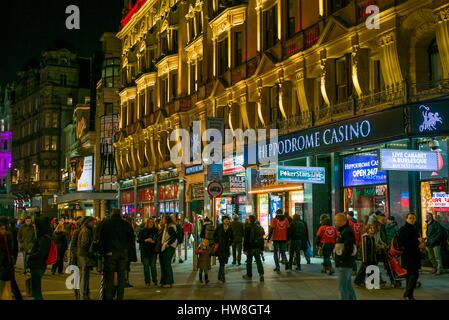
(30, 26)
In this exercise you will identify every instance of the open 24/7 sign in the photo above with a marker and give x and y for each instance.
(215, 189)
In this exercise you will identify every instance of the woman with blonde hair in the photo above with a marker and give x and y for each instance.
(147, 243)
(61, 242)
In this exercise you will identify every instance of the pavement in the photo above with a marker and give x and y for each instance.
(308, 284)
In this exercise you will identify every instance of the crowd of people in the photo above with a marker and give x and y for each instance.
(109, 246)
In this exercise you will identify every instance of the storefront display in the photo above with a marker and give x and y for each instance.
(263, 209)
(296, 202)
(146, 202)
(168, 198)
(127, 201)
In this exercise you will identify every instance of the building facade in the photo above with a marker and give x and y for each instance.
(45, 95)
(311, 69)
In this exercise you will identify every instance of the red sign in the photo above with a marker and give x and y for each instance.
(127, 197)
(146, 195)
(161, 193)
(215, 189)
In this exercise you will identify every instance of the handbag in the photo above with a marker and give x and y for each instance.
(309, 250)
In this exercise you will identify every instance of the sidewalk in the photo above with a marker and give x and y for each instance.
(308, 284)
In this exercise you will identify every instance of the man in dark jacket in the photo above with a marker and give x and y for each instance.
(86, 260)
(436, 239)
(296, 236)
(26, 237)
(345, 256)
(223, 239)
(237, 232)
(115, 240)
(253, 245)
(408, 240)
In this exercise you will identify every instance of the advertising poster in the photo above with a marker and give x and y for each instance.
(362, 170)
(408, 160)
(81, 174)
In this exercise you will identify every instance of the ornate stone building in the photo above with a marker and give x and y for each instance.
(287, 64)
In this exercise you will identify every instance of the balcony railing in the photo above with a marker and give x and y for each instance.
(226, 4)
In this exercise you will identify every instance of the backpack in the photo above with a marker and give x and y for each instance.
(52, 257)
(298, 230)
(180, 234)
(256, 237)
(210, 231)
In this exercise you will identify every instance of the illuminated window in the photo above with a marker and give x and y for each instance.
(69, 101)
(63, 79)
(111, 72)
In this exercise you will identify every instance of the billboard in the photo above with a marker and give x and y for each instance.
(362, 170)
(408, 160)
(301, 174)
(81, 174)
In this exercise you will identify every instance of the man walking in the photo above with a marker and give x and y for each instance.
(435, 239)
(278, 234)
(237, 232)
(86, 260)
(296, 235)
(115, 240)
(26, 237)
(253, 245)
(345, 251)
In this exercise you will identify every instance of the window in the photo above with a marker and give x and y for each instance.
(291, 15)
(50, 143)
(199, 24)
(142, 111)
(125, 116)
(435, 67)
(164, 43)
(69, 101)
(222, 56)
(150, 101)
(174, 85)
(191, 28)
(238, 45)
(111, 72)
(86, 100)
(164, 91)
(270, 27)
(338, 4)
(275, 112)
(174, 48)
(199, 78)
(54, 122)
(192, 78)
(132, 111)
(108, 109)
(378, 78)
(64, 61)
(341, 74)
(63, 79)
(47, 120)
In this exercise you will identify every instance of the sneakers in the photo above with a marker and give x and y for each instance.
(261, 279)
(246, 277)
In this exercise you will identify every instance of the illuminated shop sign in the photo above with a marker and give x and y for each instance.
(301, 174)
(194, 169)
(429, 118)
(439, 200)
(408, 160)
(81, 174)
(382, 126)
(361, 170)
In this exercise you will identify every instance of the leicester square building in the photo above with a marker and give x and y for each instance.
(339, 89)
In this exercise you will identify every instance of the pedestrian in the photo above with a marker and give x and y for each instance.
(222, 245)
(73, 249)
(187, 228)
(382, 246)
(237, 232)
(86, 259)
(37, 260)
(436, 240)
(296, 236)
(253, 244)
(345, 252)
(26, 236)
(357, 229)
(264, 239)
(61, 241)
(391, 228)
(12, 248)
(147, 243)
(369, 254)
(306, 248)
(168, 243)
(6, 264)
(207, 231)
(115, 239)
(204, 263)
(408, 241)
(180, 238)
(132, 252)
(13, 230)
(278, 234)
(326, 239)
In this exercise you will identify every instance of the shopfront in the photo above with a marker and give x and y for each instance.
(194, 179)
(145, 197)
(127, 203)
(168, 188)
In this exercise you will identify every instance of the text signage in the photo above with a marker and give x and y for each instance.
(194, 169)
(360, 170)
(439, 200)
(408, 160)
(237, 183)
(215, 172)
(301, 174)
(381, 126)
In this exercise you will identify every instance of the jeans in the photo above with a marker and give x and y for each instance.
(411, 280)
(327, 252)
(85, 277)
(115, 263)
(166, 268)
(436, 258)
(149, 268)
(237, 252)
(295, 248)
(59, 265)
(345, 284)
(279, 246)
(25, 261)
(249, 262)
(36, 283)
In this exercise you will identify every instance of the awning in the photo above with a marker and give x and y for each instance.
(86, 196)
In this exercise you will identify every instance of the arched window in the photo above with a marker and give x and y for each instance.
(435, 69)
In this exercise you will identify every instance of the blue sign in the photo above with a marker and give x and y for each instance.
(301, 174)
(408, 160)
(362, 170)
(215, 172)
(194, 169)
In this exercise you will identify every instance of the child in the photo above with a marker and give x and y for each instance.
(203, 253)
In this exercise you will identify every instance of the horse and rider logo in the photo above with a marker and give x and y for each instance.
(430, 119)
